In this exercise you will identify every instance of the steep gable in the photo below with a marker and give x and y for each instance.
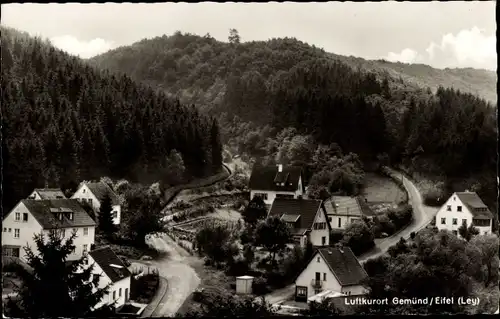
(110, 264)
(301, 211)
(47, 213)
(344, 265)
(476, 206)
(100, 190)
(269, 178)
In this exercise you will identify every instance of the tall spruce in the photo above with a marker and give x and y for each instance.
(105, 216)
(53, 287)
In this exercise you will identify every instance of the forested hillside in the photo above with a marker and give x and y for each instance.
(64, 121)
(280, 99)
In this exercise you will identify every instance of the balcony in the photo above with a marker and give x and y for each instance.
(316, 283)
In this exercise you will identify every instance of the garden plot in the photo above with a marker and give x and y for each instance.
(382, 191)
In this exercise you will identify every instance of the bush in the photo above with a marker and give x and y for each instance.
(412, 235)
(239, 267)
(144, 288)
(336, 236)
(276, 279)
(259, 286)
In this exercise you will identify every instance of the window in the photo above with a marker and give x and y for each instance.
(16, 232)
(317, 259)
(324, 276)
(330, 219)
(481, 222)
(114, 295)
(448, 208)
(115, 214)
(464, 222)
(323, 240)
(85, 248)
(459, 208)
(5, 229)
(453, 197)
(25, 217)
(90, 201)
(443, 221)
(85, 231)
(83, 190)
(18, 216)
(120, 292)
(340, 222)
(454, 221)
(10, 230)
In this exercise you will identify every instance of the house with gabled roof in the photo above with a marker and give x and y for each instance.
(332, 270)
(280, 181)
(94, 193)
(464, 208)
(47, 193)
(344, 210)
(307, 220)
(31, 217)
(111, 271)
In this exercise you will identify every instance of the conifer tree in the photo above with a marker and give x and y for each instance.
(52, 287)
(105, 216)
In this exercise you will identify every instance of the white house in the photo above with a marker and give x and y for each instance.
(112, 272)
(464, 207)
(332, 270)
(343, 210)
(307, 220)
(270, 182)
(30, 217)
(94, 193)
(47, 193)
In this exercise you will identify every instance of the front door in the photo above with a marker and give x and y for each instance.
(126, 295)
(318, 276)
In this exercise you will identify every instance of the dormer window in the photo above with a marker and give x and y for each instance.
(60, 216)
(70, 216)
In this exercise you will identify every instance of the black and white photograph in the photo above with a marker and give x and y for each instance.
(249, 159)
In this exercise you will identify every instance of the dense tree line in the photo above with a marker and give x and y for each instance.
(261, 88)
(64, 121)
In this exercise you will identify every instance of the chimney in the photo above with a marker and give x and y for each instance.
(280, 168)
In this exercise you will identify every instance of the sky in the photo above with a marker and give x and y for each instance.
(440, 34)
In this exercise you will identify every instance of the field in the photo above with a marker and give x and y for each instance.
(380, 189)
(199, 224)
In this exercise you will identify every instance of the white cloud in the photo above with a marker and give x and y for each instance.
(83, 49)
(468, 48)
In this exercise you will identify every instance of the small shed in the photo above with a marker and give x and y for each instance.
(244, 285)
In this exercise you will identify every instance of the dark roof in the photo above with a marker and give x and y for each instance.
(347, 206)
(50, 193)
(100, 190)
(475, 205)
(267, 177)
(288, 207)
(45, 212)
(105, 257)
(344, 265)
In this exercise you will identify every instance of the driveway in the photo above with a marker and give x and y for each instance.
(181, 278)
(422, 216)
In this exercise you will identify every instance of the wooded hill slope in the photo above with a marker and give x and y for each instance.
(262, 89)
(64, 121)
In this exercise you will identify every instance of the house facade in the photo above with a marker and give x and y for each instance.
(94, 193)
(112, 272)
(344, 210)
(331, 270)
(307, 220)
(271, 182)
(31, 217)
(47, 193)
(464, 207)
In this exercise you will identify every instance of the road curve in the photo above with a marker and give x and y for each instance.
(422, 216)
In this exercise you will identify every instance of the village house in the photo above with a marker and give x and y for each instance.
(31, 217)
(47, 193)
(112, 272)
(307, 220)
(270, 182)
(343, 210)
(333, 271)
(464, 207)
(94, 193)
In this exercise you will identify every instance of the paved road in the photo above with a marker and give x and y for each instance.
(422, 216)
(181, 278)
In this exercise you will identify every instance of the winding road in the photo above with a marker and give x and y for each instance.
(422, 216)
